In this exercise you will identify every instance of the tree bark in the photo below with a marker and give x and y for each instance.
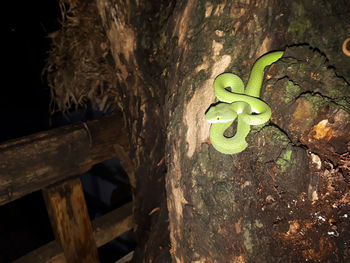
(272, 202)
(133, 31)
(285, 198)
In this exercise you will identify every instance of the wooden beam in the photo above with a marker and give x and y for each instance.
(70, 221)
(113, 224)
(127, 258)
(34, 162)
(106, 228)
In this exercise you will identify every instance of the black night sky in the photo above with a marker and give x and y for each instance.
(25, 97)
(24, 110)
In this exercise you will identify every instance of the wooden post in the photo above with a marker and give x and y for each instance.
(106, 228)
(69, 218)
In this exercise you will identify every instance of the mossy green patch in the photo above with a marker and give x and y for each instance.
(258, 223)
(285, 159)
(299, 23)
(292, 91)
(336, 92)
(275, 139)
(230, 42)
(247, 240)
(278, 137)
(287, 155)
(343, 103)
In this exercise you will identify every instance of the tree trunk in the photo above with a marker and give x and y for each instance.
(283, 199)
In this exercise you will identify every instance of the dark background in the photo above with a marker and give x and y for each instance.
(24, 102)
(24, 110)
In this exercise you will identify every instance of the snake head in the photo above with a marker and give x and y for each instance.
(221, 113)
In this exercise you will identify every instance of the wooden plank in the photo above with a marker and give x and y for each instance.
(49, 253)
(34, 162)
(106, 228)
(113, 224)
(70, 221)
(127, 258)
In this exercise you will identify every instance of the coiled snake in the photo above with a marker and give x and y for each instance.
(240, 103)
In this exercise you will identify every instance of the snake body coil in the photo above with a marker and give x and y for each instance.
(240, 103)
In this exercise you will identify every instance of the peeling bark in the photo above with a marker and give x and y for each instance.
(140, 95)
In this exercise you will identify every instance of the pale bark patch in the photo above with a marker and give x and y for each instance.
(303, 112)
(237, 12)
(203, 66)
(182, 23)
(208, 9)
(322, 131)
(219, 10)
(121, 35)
(123, 42)
(240, 259)
(217, 47)
(265, 46)
(194, 114)
(219, 33)
(176, 201)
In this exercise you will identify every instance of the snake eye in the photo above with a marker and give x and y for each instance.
(218, 118)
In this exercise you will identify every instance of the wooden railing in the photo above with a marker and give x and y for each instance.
(51, 161)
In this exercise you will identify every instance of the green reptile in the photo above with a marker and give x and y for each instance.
(240, 103)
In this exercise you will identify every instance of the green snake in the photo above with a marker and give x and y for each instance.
(240, 103)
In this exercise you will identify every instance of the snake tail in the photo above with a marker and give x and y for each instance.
(256, 77)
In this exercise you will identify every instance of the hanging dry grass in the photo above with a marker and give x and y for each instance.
(79, 68)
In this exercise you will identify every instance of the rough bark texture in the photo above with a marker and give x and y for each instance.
(285, 198)
(133, 29)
